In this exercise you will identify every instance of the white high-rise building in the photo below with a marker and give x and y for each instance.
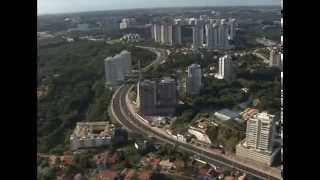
(225, 68)
(157, 32)
(219, 32)
(117, 67)
(260, 132)
(223, 35)
(275, 58)
(176, 34)
(259, 142)
(209, 36)
(232, 30)
(212, 36)
(193, 81)
(166, 34)
(215, 32)
(197, 34)
(127, 23)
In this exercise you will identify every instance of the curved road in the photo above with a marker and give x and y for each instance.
(122, 113)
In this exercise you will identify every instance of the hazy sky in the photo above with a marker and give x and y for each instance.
(62, 6)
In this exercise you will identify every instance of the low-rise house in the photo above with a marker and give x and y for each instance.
(151, 160)
(144, 175)
(78, 177)
(128, 174)
(107, 159)
(60, 161)
(167, 165)
(108, 175)
(228, 178)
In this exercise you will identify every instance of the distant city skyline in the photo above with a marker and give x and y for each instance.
(70, 6)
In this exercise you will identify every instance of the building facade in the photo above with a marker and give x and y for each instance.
(259, 132)
(232, 28)
(223, 32)
(225, 68)
(157, 32)
(147, 97)
(91, 134)
(117, 67)
(193, 81)
(157, 98)
(275, 59)
(127, 23)
(210, 33)
(176, 34)
(258, 144)
(197, 34)
(166, 96)
(166, 34)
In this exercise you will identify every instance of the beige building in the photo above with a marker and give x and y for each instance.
(258, 144)
(91, 134)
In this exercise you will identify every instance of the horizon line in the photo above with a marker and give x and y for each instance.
(124, 9)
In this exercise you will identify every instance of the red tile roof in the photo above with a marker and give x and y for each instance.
(144, 175)
(129, 174)
(228, 178)
(107, 175)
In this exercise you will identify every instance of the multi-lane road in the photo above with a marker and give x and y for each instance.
(121, 112)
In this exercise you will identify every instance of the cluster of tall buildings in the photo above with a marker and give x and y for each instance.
(157, 98)
(219, 33)
(207, 33)
(225, 70)
(193, 80)
(128, 23)
(259, 142)
(117, 67)
(166, 33)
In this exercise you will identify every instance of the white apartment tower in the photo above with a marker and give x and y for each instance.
(232, 25)
(260, 130)
(127, 23)
(258, 144)
(212, 35)
(176, 34)
(117, 67)
(193, 81)
(166, 34)
(223, 35)
(157, 32)
(275, 58)
(197, 34)
(209, 36)
(225, 68)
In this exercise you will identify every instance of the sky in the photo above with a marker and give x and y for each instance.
(69, 6)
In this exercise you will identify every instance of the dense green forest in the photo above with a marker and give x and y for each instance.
(74, 76)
